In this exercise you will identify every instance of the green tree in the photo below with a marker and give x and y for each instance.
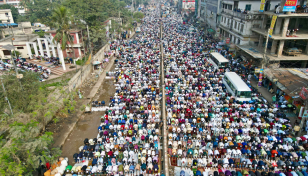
(94, 13)
(40, 33)
(21, 101)
(138, 15)
(24, 152)
(39, 10)
(61, 21)
(16, 52)
(14, 11)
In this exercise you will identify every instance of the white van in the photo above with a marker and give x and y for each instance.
(138, 30)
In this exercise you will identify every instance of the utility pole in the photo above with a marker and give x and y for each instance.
(264, 62)
(132, 5)
(6, 96)
(88, 38)
(265, 48)
(12, 39)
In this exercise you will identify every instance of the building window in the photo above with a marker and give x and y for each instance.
(235, 24)
(239, 25)
(20, 47)
(238, 41)
(225, 20)
(222, 18)
(230, 7)
(6, 52)
(228, 22)
(248, 7)
(242, 28)
(73, 38)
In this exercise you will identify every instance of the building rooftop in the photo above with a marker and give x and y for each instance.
(288, 80)
(300, 35)
(20, 38)
(258, 53)
(54, 31)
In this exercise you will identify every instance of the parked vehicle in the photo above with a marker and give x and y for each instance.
(292, 51)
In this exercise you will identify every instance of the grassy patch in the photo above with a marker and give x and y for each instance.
(56, 84)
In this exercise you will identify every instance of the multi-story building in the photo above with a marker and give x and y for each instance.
(197, 8)
(77, 45)
(212, 15)
(203, 10)
(239, 17)
(16, 4)
(2, 2)
(185, 6)
(6, 16)
(288, 44)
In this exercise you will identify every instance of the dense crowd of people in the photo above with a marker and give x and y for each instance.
(128, 139)
(22, 65)
(210, 132)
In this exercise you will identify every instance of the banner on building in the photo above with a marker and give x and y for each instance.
(227, 40)
(262, 5)
(304, 93)
(290, 6)
(272, 25)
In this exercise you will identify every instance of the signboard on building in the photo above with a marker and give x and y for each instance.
(290, 6)
(272, 25)
(304, 93)
(262, 5)
(227, 40)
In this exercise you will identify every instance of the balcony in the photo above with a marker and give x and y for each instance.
(302, 34)
(249, 16)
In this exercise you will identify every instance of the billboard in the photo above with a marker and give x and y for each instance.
(290, 6)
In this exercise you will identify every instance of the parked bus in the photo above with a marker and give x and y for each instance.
(218, 60)
(236, 86)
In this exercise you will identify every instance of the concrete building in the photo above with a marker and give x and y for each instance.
(197, 8)
(238, 18)
(77, 45)
(16, 4)
(20, 42)
(23, 28)
(2, 2)
(212, 15)
(285, 48)
(185, 6)
(6, 16)
(203, 11)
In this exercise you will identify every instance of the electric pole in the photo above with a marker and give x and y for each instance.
(265, 49)
(89, 38)
(264, 62)
(5, 96)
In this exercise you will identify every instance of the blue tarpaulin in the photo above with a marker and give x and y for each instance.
(11, 24)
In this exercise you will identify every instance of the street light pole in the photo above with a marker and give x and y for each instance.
(6, 96)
